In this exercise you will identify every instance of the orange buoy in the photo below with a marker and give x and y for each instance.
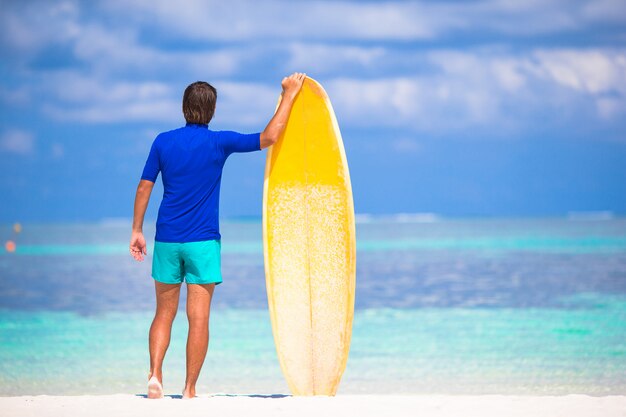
(10, 246)
(17, 227)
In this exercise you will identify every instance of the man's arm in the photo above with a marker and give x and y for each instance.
(291, 87)
(137, 241)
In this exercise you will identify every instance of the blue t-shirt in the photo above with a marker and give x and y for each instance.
(190, 160)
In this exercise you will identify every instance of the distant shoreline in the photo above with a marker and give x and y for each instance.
(417, 217)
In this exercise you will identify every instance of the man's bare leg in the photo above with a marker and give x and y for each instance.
(198, 308)
(161, 329)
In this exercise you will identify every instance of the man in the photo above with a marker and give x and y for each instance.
(187, 242)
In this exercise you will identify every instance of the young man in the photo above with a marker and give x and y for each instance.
(187, 242)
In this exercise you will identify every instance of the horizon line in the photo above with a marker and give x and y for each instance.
(399, 217)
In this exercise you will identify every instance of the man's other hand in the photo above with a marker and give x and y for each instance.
(138, 246)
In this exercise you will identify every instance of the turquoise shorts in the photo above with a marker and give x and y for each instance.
(194, 262)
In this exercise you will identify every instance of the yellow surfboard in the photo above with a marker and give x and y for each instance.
(309, 246)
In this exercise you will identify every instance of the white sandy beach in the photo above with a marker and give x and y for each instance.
(341, 405)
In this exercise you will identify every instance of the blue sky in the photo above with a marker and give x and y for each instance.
(460, 108)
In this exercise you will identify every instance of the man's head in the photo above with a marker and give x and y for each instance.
(199, 102)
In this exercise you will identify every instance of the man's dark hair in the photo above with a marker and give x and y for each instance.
(199, 102)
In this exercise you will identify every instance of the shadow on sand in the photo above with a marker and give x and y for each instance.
(179, 396)
(253, 395)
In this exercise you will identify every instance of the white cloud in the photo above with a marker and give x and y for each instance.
(119, 75)
(108, 51)
(76, 97)
(110, 36)
(250, 20)
(418, 103)
(245, 104)
(593, 71)
(523, 18)
(320, 57)
(28, 27)
(16, 141)
(508, 74)
(595, 74)
(133, 111)
(372, 102)
(354, 20)
(461, 90)
(481, 88)
(604, 11)
(106, 46)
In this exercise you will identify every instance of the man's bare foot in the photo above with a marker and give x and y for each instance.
(189, 394)
(155, 389)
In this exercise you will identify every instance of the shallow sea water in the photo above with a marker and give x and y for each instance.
(530, 306)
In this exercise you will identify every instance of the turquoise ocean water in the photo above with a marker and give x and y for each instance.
(526, 306)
